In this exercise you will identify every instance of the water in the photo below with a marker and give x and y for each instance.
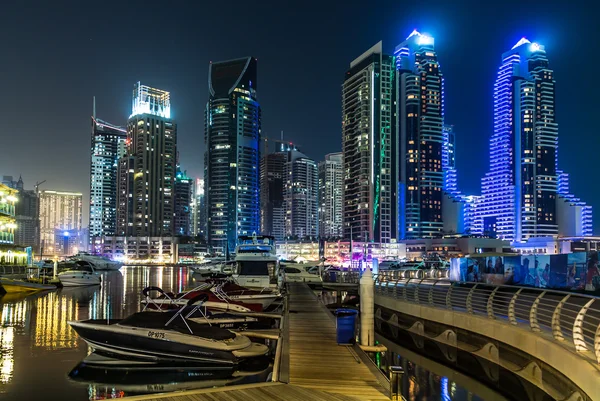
(38, 349)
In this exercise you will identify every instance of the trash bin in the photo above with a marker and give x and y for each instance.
(345, 324)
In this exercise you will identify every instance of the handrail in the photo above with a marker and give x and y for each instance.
(557, 315)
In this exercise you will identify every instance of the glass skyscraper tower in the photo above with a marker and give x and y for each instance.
(232, 159)
(420, 114)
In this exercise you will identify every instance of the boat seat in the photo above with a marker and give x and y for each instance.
(152, 320)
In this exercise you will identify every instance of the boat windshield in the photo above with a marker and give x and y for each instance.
(253, 248)
(83, 267)
(255, 268)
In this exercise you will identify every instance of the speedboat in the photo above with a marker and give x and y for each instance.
(14, 286)
(81, 273)
(214, 301)
(167, 336)
(99, 262)
(230, 290)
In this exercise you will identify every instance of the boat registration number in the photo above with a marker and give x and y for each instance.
(155, 334)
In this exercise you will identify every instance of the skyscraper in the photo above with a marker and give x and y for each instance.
(420, 114)
(301, 195)
(147, 171)
(26, 213)
(369, 196)
(331, 186)
(60, 216)
(199, 209)
(519, 194)
(231, 163)
(272, 210)
(108, 144)
(183, 201)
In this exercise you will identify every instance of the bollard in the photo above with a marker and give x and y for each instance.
(396, 373)
(54, 271)
(367, 309)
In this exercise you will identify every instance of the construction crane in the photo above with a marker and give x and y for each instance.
(36, 186)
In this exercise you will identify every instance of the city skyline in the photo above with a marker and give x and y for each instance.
(559, 44)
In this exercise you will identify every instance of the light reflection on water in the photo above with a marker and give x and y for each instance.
(37, 346)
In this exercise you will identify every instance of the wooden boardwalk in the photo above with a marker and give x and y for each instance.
(315, 359)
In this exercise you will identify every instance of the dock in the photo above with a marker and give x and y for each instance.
(310, 365)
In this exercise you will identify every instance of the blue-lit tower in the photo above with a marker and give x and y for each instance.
(232, 158)
(420, 120)
(520, 192)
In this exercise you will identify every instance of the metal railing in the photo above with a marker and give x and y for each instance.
(561, 316)
(353, 277)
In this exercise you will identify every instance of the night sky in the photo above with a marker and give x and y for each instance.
(57, 55)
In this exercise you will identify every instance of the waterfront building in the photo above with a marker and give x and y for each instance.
(8, 199)
(369, 197)
(421, 138)
(301, 195)
(147, 172)
(574, 217)
(27, 214)
(198, 209)
(272, 209)
(153, 250)
(331, 187)
(108, 144)
(61, 212)
(232, 159)
(183, 202)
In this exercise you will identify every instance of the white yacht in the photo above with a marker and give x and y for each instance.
(80, 274)
(99, 262)
(257, 265)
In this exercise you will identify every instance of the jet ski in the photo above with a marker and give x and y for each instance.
(167, 336)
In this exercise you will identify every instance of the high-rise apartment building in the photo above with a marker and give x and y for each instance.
(108, 144)
(183, 202)
(27, 214)
(420, 114)
(146, 175)
(60, 216)
(301, 195)
(8, 198)
(368, 125)
(232, 159)
(272, 210)
(519, 194)
(198, 209)
(331, 186)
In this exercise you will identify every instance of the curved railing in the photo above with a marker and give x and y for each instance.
(562, 316)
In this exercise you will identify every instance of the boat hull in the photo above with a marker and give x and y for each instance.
(17, 286)
(78, 280)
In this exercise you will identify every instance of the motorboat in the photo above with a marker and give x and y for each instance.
(81, 273)
(167, 336)
(21, 286)
(147, 377)
(300, 275)
(99, 262)
(257, 264)
(232, 291)
(214, 301)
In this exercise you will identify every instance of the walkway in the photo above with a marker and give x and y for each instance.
(315, 359)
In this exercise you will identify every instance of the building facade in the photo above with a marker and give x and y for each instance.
(198, 209)
(420, 114)
(8, 198)
(152, 250)
(520, 195)
(60, 212)
(147, 172)
(272, 210)
(108, 144)
(183, 203)
(27, 214)
(331, 187)
(232, 159)
(301, 196)
(369, 196)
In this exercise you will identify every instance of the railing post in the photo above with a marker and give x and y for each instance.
(417, 293)
(449, 297)
(430, 295)
(512, 318)
(490, 304)
(556, 330)
(533, 320)
(396, 373)
(597, 343)
(396, 289)
(404, 292)
(578, 338)
(470, 299)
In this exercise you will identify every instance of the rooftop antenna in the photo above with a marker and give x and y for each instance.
(94, 107)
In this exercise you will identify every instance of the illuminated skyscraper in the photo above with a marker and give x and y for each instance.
(331, 186)
(272, 210)
(198, 208)
(60, 212)
(108, 145)
(183, 203)
(147, 171)
(231, 162)
(519, 193)
(300, 196)
(420, 114)
(369, 196)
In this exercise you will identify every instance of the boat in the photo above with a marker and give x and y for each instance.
(214, 301)
(20, 286)
(167, 336)
(257, 265)
(99, 262)
(234, 292)
(80, 274)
